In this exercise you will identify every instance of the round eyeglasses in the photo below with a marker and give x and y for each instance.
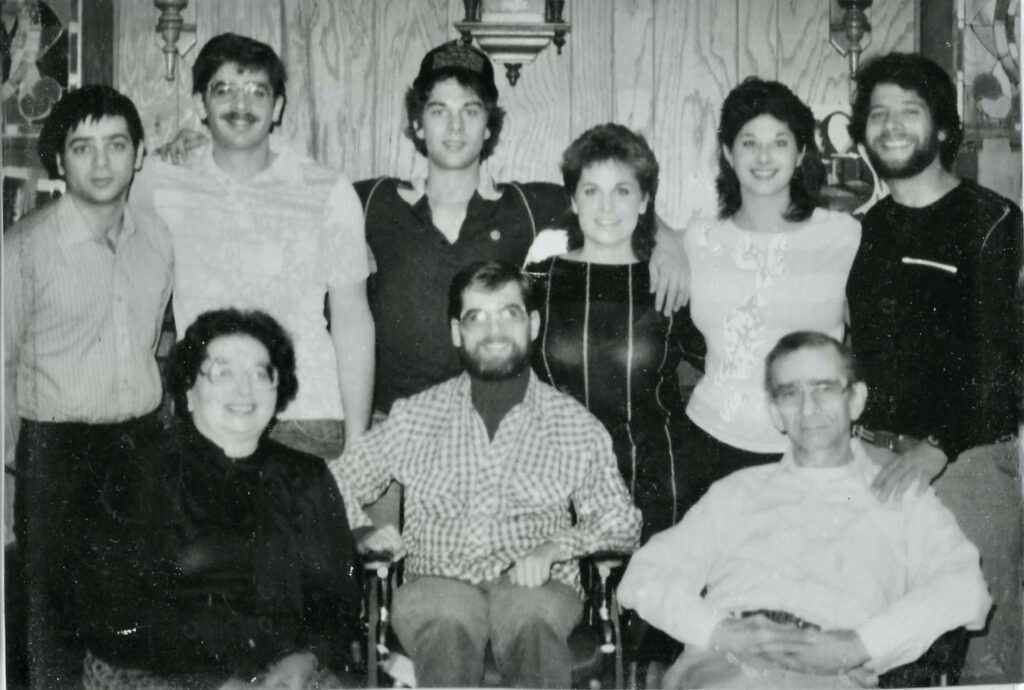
(477, 319)
(223, 92)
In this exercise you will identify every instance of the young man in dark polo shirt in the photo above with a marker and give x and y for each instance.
(422, 232)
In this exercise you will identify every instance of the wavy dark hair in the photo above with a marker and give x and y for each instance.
(416, 98)
(925, 78)
(614, 142)
(91, 102)
(748, 100)
(489, 276)
(189, 353)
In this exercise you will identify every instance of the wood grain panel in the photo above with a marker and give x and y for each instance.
(634, 65)
(807, 63)
(590, 50)
(259, 19)
(815, 70)
(893, 28)
(335, 41)
(139, 72)
(694, 67)
(404, 31)
(538, 125)
(757, 39)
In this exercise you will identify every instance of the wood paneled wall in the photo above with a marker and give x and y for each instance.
(662, 67)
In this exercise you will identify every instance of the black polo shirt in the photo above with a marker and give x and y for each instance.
(935, 307)
(416, 263)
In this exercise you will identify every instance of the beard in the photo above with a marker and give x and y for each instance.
(490, 369)
(921, 157)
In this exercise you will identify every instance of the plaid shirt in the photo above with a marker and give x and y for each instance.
(474, 506)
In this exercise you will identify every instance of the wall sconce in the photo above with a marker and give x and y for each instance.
(514, 32)
(170, 25)
(848, 26)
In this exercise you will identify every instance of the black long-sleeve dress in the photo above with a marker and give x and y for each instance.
(211, 567)
(603, 342)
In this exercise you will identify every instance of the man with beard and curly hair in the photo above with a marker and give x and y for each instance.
(936, 314)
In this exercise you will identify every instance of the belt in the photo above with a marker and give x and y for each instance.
(782, 618)
(889, 440)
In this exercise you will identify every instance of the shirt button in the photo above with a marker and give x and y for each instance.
(495, 235)
(887, 305)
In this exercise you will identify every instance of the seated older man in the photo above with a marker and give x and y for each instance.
(795, 574)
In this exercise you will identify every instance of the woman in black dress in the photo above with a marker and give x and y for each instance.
(602, 341)
(225, 558)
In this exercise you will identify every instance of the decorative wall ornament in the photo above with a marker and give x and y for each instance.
(514, 32)
(849, 29)
(171, 25)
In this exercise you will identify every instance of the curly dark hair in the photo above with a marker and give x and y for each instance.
(91, 102)
(924, 77)
(189, 353)
(416, 100)
(748, 100)
(614, 142)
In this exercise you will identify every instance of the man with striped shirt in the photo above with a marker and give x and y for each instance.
(86, 282)
(491, 461)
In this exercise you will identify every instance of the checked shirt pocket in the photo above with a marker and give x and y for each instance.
(533, 493)
(436, 493)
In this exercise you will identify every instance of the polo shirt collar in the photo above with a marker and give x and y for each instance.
(286, 166)
(416, 189)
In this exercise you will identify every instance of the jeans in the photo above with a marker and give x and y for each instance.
(322, 437)
(61, 467)
(444, 626)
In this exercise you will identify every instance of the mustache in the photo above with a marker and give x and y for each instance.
(234, 115)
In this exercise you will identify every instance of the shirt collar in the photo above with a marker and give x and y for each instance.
(861, 465)
(74, 229)
(286, 166)
(414, 190)
(529, 398)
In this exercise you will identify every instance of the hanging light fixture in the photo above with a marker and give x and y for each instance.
(849, 29)
(514, 32)
(170, 25)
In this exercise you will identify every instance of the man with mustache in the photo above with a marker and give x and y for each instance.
(508, 482)
(935, 309)
(256, 225)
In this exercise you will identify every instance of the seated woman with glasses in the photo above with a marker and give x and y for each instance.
(225, 558)
(602, 340)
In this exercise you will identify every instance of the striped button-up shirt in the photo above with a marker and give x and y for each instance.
(473, 505)
(82, 320)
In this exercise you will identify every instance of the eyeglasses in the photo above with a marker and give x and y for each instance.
(223, 92)
(822, 393)
(223, 376)
(477, 319)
